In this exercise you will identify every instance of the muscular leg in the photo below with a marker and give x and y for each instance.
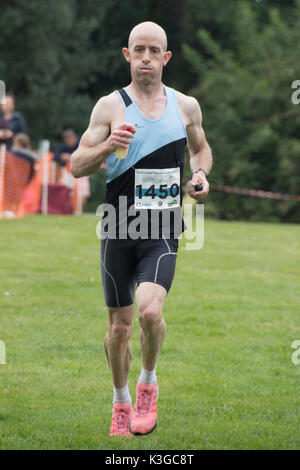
(117, 343)
(150, 299)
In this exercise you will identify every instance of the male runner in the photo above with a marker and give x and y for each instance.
(154, 123)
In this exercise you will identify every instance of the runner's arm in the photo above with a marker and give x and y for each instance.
(98, 141)
(200, 152)
(93, 148)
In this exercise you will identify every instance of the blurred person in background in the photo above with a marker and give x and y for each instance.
(15, 121)
(5, 133)
(70, 143)
(63, 153)
(62, 157)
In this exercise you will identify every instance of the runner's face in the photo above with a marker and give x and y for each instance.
(147, 58)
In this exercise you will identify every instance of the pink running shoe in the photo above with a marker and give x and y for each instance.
(121, 415)
(144, 416)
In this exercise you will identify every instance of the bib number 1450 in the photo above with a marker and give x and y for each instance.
(163, 191)
(157, 188)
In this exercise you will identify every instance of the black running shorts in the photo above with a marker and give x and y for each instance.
(125, 263)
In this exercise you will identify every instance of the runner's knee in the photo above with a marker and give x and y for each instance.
(150, 316)
(121, 331)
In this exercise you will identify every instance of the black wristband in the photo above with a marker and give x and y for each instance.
(202, 169)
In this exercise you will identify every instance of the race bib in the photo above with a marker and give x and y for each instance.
(157, 189)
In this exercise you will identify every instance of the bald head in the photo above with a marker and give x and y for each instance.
(150, 31)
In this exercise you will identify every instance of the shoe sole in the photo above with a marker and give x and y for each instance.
(145, 434)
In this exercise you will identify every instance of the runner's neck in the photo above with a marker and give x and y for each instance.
(146, 93)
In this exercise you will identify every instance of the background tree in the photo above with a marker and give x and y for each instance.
(244, 87)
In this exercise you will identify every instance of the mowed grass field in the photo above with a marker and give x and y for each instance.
(225, 372)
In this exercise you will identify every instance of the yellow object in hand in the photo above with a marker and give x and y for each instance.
(121, 152)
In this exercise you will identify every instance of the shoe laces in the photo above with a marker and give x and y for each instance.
(121, 420)
(144, 400)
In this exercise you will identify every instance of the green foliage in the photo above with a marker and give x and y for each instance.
(97, 184)
(48, 62)
(238, 58)
(250, 121)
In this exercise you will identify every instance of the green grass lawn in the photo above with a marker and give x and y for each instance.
(225, 372)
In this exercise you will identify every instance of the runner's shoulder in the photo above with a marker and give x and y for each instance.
(189, 106)
(108, 101)
(188, 103)
(106, 107)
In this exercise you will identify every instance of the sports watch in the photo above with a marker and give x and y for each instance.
(202, 169)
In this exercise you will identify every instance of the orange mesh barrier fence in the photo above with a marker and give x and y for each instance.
(26, 186)
(33, 192)
(15, 174)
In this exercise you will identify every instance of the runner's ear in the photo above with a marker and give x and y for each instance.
(126, 54)
(167, 57)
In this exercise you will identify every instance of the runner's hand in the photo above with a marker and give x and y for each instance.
(121, 136)
(199, 178)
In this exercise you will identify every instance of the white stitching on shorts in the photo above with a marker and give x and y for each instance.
(167, 244)
(103, 264)
(157, 264)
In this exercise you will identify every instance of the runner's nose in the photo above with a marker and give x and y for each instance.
(146, 58)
